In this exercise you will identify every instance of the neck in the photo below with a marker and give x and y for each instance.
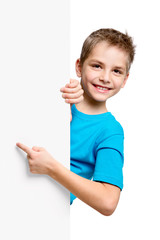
(90, 106)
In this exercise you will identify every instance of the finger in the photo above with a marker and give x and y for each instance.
(24, 148)
(71, 80)
(67, 89)
(73, 95)
(73, 90)
(67, 85)
(62, 89)
(77, 100)
(73, 84)
(37, 149)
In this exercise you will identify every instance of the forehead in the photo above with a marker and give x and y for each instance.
(108, 54)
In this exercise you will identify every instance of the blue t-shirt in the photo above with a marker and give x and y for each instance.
(96, 147)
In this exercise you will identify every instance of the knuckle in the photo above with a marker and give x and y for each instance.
(81, 91)
(62, 89)
(80, 85)
(66, 96)
(34, 148)
(33, 155)
(67, 100)
(30, 163)
(31, 170)
(76, 81)
(77, 95)
(81, 98)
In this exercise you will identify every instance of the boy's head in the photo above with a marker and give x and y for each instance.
(111, 37)
(104, 64)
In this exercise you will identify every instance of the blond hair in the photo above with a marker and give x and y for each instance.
(113, 38)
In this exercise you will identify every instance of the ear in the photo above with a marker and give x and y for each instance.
(125, 80)
(78, 68)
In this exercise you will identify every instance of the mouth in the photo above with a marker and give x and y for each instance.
(101, 89)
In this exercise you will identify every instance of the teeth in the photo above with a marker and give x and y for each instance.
(101, 88)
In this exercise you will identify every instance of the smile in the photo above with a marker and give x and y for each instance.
(101, 89)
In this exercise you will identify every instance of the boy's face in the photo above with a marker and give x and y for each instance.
(104, 72)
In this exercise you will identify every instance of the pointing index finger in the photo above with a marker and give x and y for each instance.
(24, 148)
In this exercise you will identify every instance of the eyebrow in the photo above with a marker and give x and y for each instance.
(119, 67)
(95, 60)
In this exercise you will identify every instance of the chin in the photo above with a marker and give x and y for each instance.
(99, 99)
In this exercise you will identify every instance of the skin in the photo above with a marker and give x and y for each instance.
(90, 192)
(72, 93)
(103, 71)
(106, 66)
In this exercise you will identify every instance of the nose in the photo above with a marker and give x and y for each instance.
(105, 76)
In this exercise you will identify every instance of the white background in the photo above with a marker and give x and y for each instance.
(137, 109)
(34, 65)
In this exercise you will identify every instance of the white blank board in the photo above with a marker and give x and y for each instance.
(34, 65)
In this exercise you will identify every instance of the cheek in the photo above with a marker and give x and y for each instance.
(118, 83)
(86, 78)
(90, 75)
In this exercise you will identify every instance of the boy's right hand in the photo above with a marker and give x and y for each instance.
(72, 93)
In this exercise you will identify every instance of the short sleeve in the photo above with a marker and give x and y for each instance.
(72, 198)
(109, 161)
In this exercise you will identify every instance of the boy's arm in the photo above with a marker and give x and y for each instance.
(102, 197)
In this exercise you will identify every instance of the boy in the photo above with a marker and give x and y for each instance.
(96, 136)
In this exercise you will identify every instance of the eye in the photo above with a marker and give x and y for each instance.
(117, 71)
(96, 66)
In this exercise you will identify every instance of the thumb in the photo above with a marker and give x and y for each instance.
(37, 149)
(71, 80)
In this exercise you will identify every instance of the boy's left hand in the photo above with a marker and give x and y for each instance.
(72, 92)
(40, 161)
